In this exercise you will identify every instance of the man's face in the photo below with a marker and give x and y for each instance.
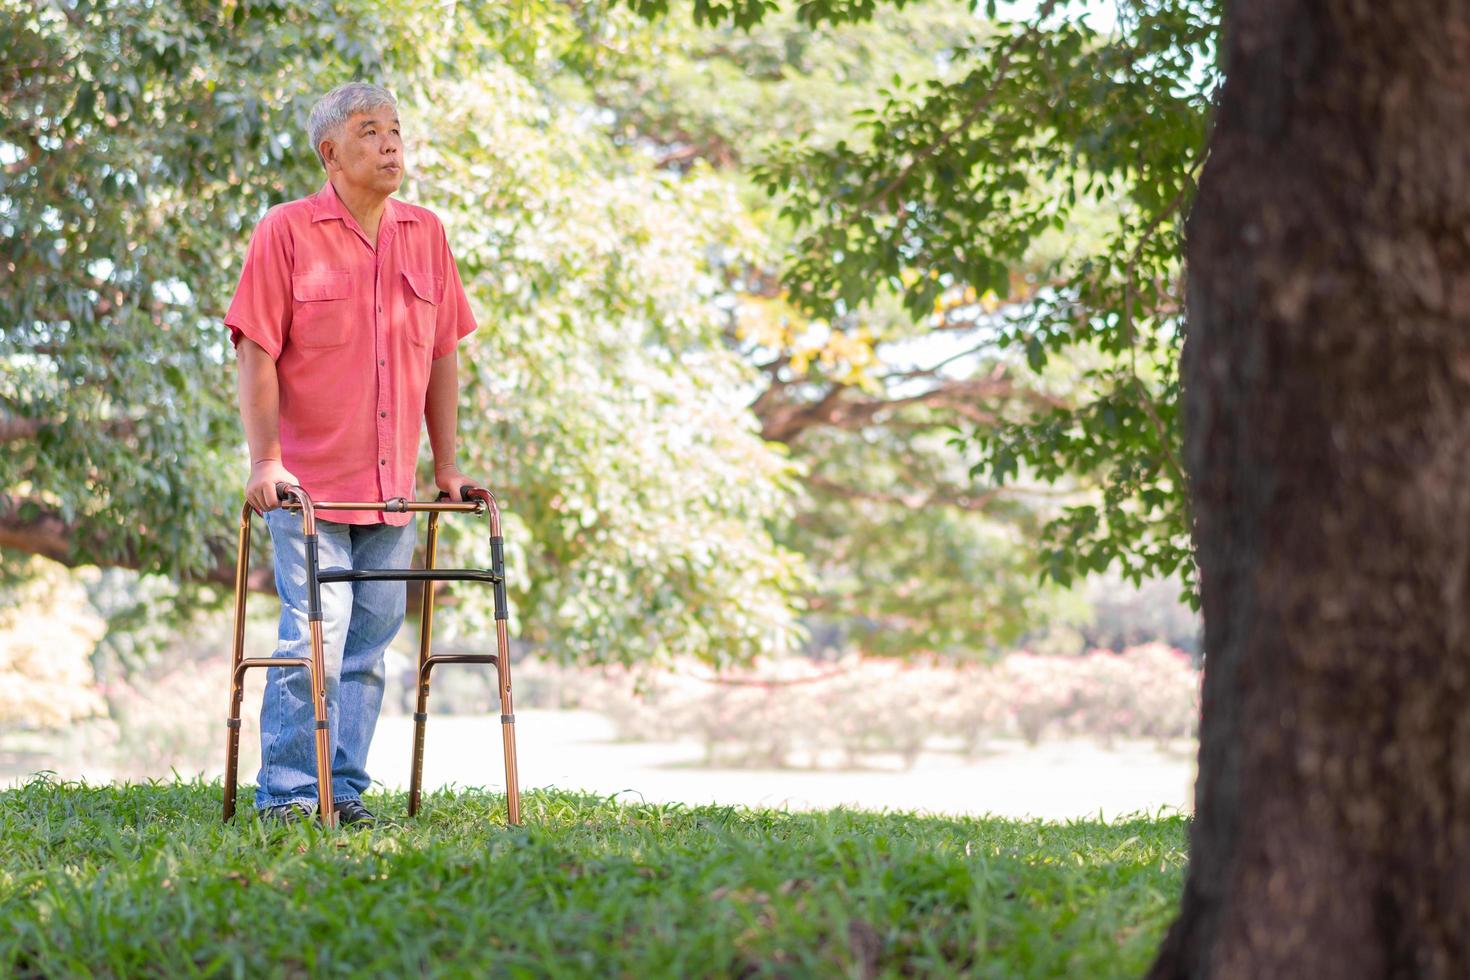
(367, 153)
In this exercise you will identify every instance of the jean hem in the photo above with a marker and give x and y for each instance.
(270, 801)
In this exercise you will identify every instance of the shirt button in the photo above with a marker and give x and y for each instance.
(380, 309)
(382, 362)
(382, 415)
(382, 462)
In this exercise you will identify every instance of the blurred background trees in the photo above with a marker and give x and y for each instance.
(974, 284)
(817, 327)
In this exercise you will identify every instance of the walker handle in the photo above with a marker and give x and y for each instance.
(464, 494)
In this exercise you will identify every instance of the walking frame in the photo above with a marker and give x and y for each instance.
(473, 500)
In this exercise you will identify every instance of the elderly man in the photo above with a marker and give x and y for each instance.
(345, 323)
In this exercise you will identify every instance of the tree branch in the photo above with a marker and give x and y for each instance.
(48, 534)
(840, 409)
(19, 429)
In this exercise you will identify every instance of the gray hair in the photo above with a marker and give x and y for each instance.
(339, 105)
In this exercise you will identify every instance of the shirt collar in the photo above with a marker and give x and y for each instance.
(326, 205)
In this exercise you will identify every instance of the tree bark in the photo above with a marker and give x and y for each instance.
(1327, 425)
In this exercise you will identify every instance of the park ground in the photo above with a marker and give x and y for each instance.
(145, 880)
(1056, 779)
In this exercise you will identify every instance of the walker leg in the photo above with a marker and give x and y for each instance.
(325, 805)
(315, 665)
(508, 729)
(502, 669)
(421, 707)
(420, 718)
(237, 677)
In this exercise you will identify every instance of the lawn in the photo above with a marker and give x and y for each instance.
(145, 880)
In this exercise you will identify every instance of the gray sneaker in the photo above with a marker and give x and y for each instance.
(287, 813)
(353, 813)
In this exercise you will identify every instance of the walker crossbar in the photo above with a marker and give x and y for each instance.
(407, 575)
(475, 500)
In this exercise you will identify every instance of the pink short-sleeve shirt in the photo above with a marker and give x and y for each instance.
(353, 331)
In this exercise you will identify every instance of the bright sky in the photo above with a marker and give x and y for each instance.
(1102, 14)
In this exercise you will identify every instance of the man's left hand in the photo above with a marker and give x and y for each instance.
(450, 480)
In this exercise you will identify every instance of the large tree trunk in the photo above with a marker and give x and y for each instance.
(1327, 399)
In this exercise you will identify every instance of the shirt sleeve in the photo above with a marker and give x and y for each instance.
(261, 309)
(454, 321)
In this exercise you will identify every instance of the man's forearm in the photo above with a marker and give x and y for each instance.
(260, 401)
(441, 409)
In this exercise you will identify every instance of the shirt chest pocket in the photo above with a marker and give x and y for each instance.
(320, 307)
(422, 296)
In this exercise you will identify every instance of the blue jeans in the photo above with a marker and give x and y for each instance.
(359, 620)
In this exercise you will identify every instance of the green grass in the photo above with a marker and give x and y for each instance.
(145, 880)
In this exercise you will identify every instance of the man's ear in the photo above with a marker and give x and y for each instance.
(328, 151)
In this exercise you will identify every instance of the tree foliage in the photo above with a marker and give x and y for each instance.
(1029, 200)
(911, 552)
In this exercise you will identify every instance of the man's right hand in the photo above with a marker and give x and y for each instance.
(260, 491)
